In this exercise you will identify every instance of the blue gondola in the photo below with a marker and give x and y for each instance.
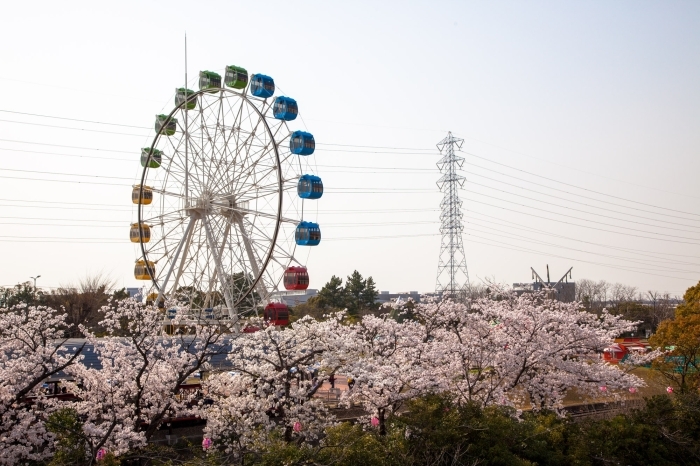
(209, 313)
(308, 234)
(302, 143)
(285, 108)
(262, 86)
(310, 187)
(172, 313)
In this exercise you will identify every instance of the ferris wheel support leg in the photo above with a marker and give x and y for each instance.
(220, 272)
(164, 285)
(183, 260)
(251, 257)
(215, 274)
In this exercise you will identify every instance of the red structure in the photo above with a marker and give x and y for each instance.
(277, 314)
(622, 347)
(296, 278)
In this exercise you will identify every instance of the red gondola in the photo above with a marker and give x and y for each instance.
(277, 314)
(296, 278)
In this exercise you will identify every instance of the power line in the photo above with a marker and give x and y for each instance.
(64, 219)
(62, 202)
(67, 147)
(430, 150)
(579, 170)
(65, 174)
(62, 181)
(592, 213)
(75, 225)
(424, 151)
(582, 226)
(578, 187)
(511, 224)
(63, 208)
(576, 194)
(74, 119)
(74, 129)
(517, 237)
(577, 202)
(519, 249)
(66, 155)
(578, 218)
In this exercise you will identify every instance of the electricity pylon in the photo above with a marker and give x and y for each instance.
(452, 275)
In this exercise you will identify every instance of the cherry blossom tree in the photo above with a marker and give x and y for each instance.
(274, 375)
(138, 386)
(522, 350)
(386, 361)
(31, 339)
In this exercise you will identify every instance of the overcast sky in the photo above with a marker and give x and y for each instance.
(580, 120)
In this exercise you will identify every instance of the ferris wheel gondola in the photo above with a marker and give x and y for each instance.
(220, 204)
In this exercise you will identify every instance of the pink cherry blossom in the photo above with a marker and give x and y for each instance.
(31, 351)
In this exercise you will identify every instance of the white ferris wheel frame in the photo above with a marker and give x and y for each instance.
(223, 209)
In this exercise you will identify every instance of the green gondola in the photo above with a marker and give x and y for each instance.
(209, 81)
(168, 128)
(154, 160)
(236, 77)
(180, 96)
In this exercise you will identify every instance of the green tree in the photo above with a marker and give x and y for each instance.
(20, 293)
(682, 366)
(71, 445)
(369, 294)
(354, 288)
(332, 295)
(691, 302)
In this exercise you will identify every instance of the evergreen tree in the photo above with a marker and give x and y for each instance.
(332, 295)
(369, 294)
(354, 289)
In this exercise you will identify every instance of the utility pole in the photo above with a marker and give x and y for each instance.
(452, 274)
(34, 278)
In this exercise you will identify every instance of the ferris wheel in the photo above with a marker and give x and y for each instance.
(221, 199)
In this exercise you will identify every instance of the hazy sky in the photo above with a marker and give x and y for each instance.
(581, 127)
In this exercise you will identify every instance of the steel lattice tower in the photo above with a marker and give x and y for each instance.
(452, 275)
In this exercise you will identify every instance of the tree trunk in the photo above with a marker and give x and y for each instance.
(382, 423)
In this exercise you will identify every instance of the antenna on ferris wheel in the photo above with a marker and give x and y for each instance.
(187, 140)
(452, 274)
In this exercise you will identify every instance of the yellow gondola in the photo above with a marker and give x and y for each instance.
(151, 298)
(138, 198)
(144, 270)
(143, 237)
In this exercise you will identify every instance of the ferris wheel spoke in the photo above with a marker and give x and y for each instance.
(242, 210)
(171, 216)
(264, 236)
(173, 260)
(163, 192)
(159, 248)
(263, 175)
